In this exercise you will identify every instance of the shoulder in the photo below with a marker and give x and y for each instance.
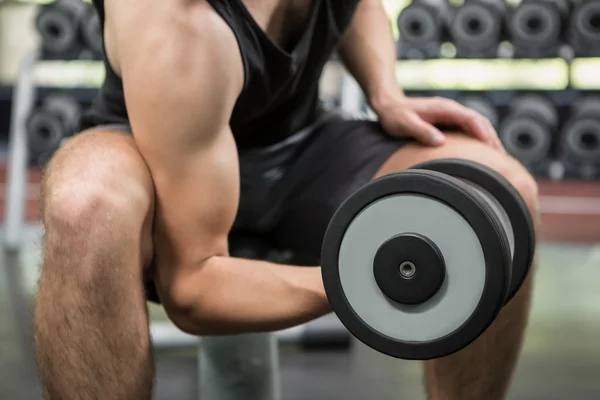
(186, 38)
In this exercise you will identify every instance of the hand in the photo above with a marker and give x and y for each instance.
(415, 118)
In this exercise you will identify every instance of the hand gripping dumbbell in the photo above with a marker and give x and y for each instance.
(56, 118)
(529, 127)
(536, 27)
(419, 263)
(59, 26)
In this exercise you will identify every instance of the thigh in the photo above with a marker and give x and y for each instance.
(464, 147)
(103, 165)
(341, 158)
(349, 154)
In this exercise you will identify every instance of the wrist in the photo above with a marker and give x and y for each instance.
(319, 289)
(388, 95)
(308, 283)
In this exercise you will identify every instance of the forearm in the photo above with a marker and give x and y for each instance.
(232, 295)
(369, 53)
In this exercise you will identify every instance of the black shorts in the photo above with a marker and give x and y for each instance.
(290, 190)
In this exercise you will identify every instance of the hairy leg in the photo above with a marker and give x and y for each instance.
(484, 369)
(91, 326)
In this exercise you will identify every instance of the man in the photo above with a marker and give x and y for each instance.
(209, 104)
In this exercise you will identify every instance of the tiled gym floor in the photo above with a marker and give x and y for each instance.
(561, 359)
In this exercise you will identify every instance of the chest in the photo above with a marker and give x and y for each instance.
(283, 21)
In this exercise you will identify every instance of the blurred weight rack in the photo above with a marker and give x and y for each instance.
(41, 118)
(530, 66)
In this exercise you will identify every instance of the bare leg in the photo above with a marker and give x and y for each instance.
(91, 325)
(484, 369)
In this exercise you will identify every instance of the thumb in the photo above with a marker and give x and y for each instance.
(422, 131)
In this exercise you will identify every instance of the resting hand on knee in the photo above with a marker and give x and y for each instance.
(416, 117)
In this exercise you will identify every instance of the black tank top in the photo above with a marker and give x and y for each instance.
(281, 89)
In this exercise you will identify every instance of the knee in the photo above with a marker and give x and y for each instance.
(109, 204)
(92, 224)
(84, 192)
(524, 183)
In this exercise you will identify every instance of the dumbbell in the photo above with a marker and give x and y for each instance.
(56, 118)
(91, 31)
(482, 105)
(536, 26)
(580, 137)
(528, 129)
(422, 28)
(419, 263)
(584, 29)
(477, 27)
(59, 23)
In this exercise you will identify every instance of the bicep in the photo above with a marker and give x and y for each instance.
(180, 91)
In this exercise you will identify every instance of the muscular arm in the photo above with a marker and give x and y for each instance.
(368, 52)
(182, 73)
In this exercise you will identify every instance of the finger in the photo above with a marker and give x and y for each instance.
(475, 124)
(494, 135)
(490, 132)
(422, 131)
(447, 111)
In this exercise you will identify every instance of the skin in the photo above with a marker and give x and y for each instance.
(171, 191)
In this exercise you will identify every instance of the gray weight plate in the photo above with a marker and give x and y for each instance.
(482, 105)
(44, 132)
(588, 106)
(525, 138)
(584, 21)
(536, 106)
(465, 278)
(475, 25)
(582, 139)
(66, 108)
(475, 257)
(506, 202)
(418, 24)
(91, 31)
(57, 31)
(535, 23)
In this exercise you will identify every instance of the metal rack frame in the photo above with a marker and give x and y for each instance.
(18, 150)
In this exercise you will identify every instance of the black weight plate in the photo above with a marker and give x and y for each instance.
(66, 108)
(91, 31)
(512, 202)
(44, 132)
(451, 192)
(57, 31)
